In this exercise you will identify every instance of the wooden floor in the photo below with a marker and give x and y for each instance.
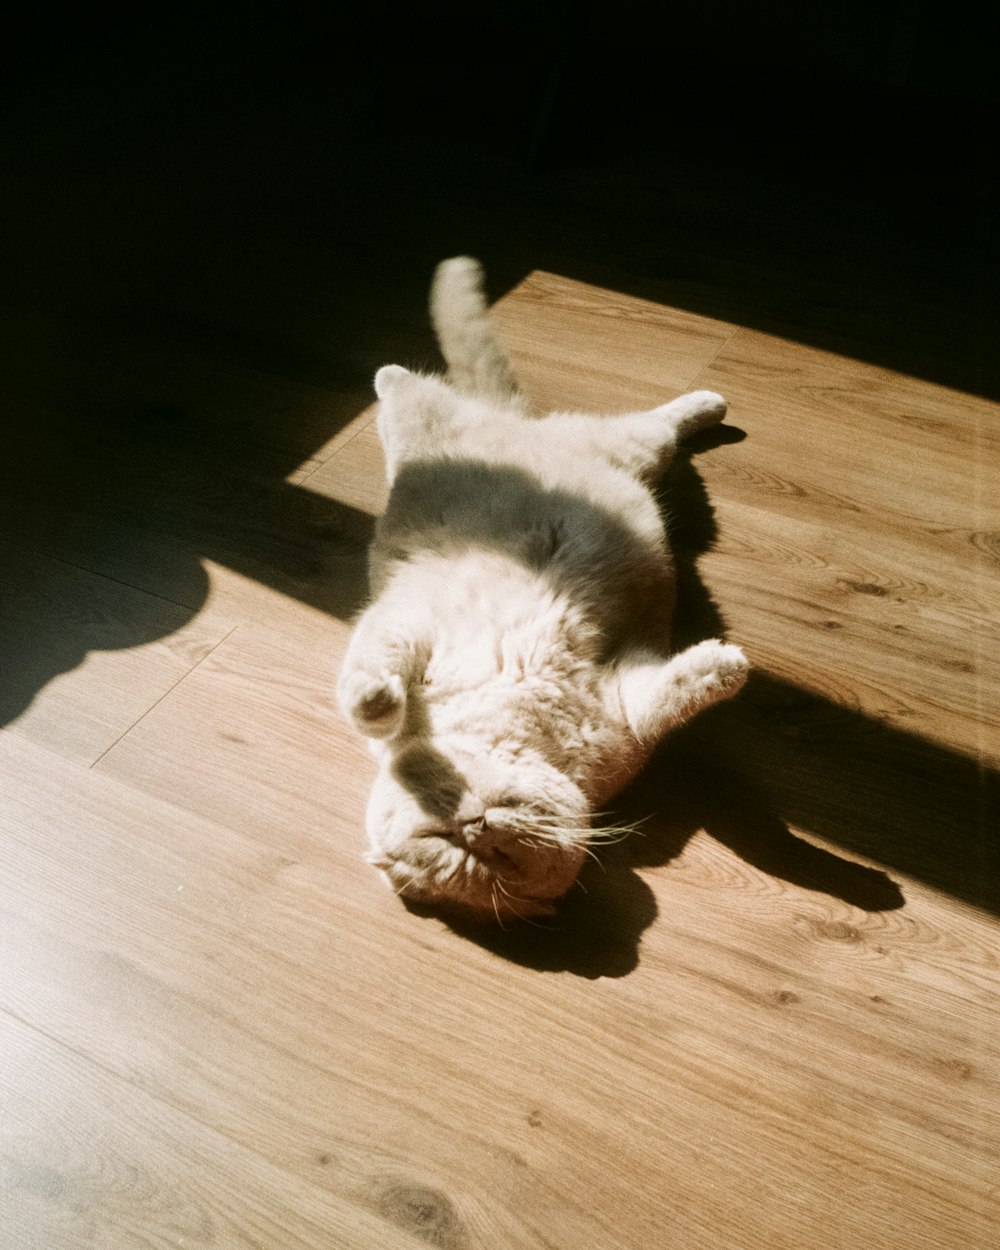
(772, 1021)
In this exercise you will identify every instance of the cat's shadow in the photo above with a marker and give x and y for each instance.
(688, 786)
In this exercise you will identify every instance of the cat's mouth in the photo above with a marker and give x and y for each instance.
(519, 879)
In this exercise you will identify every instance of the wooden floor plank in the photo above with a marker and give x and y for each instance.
(262, 698)
(659, 350)
(875, 438)
(90, 1162)
(355, 473)
(861, 500)
(86, 656)
(194, 527)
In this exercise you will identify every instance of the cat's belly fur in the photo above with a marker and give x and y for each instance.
(593, 533)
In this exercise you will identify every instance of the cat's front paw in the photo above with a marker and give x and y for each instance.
(376, 704)
(714, 670)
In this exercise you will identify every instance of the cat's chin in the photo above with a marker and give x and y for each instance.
(474, 892)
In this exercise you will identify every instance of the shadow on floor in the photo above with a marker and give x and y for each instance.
(742, 774)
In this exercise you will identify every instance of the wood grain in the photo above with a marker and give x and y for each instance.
(86, 656)
(771, 1020)
(129, 1169)
(660, 350)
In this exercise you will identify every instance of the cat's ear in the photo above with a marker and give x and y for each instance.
(654, 695)
(388, 378)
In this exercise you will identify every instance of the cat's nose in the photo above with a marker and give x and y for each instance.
(479, 836)
(470, 814)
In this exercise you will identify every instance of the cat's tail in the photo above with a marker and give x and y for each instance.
(476, 362)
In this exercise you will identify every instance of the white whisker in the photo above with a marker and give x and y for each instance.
(496, 904)
(511, 899)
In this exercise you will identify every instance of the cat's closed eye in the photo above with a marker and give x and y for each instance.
(432, 831)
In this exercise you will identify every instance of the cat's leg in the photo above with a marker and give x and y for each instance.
(687, 414)
(643, 443)
(648, 440)
(420, 417)
(382, 659)
(414, 416)
(654, 695)
(402, 423)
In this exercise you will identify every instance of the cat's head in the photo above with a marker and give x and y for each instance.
(461, 823)
(484, 797)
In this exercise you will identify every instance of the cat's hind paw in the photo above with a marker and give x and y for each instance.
(388, 378)
(376, 705)
(698, 410)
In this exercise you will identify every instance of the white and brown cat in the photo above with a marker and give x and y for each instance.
(514, 669)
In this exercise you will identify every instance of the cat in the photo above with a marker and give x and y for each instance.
(513, 669)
